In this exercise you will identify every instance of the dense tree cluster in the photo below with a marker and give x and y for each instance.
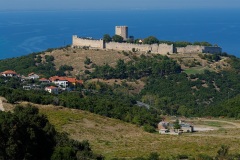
(191, 95)
(26, 134)
(116, 38)
(34, 63)
(98, 98)
(155, 65)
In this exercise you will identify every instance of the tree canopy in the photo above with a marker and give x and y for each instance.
(26, 134)
(117, 38)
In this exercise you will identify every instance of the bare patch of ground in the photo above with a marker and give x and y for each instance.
(75, 57)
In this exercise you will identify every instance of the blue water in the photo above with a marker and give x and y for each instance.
(22, 33)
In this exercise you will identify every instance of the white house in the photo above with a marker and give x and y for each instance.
(9, 73)
(52, 89)
(33, 76)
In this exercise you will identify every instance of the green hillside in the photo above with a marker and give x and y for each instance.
(178, 84)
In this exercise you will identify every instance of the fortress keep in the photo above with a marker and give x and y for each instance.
(153, 48)
(122, 31)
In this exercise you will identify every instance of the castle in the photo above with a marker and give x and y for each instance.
(153, 48)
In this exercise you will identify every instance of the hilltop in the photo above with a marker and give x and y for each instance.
(77, 56)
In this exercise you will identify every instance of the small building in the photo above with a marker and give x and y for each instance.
(28, 87)
(44, 81)
(163, 125)
(64, 81)
(168, 128)
(9, 73)
(33, 76)
(185, 127)
(52, 89)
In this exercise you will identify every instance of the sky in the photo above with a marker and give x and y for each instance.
(116, 4)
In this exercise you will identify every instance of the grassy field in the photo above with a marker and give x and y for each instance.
(114, 138)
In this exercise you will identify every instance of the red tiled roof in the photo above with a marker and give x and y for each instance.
(80, 81)
(9, 72)
(70, 80)
(55, 78)
(51, 87)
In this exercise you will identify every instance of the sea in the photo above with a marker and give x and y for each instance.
(25, 32)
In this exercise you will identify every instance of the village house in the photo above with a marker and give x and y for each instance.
(52, 89)
(186, 127)
(33, 76)
(64, 81)
(9, 73)
(59, 81)
(168, 128)
(44, 81)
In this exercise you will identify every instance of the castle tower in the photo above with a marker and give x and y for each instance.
(122, 31)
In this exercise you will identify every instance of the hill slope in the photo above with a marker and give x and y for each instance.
(114, 138)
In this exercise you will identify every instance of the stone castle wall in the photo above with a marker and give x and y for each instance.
(76, 41)
(127, 46)
(165, 49)
(212, 50)
(153, 48)
(198, 49)
(190, 49)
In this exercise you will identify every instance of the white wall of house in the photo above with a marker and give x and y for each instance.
(63, 84)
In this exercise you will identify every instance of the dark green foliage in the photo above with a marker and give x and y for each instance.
(65, 67)
(150, 40)
(99, 99)
(72, 150)
(229, 108)
(176, 125)
(202, 43)
(87, 61)
(181, 44)
(117, 38)
(153, 156)
(39, 59)
(20, 64)
(107, 38)
(235, 63)
(31, 63)
(210, 57)
(176, 93)
(87, 72)
(185, 43)
(145, 66)
(49, 58)
(149, 128)
(63, 153)
(26, 134)
(222, 153)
